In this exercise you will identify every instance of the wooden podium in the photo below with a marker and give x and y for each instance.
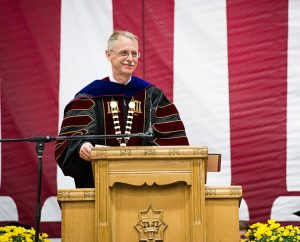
(150, 194)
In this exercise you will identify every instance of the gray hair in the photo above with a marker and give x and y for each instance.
(118, 33)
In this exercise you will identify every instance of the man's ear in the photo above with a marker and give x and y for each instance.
(108, 54)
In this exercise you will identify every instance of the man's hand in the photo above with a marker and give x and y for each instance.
(85, 151)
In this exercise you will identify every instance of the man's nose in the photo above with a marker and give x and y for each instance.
(129, 56)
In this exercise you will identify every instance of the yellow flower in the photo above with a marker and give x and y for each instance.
(272, 231)
(271, 221)
(14, 233)
(268, 232)
(285, 233)
(28, 239)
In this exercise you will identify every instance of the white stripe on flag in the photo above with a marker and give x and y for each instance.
(293, 101)
(85, 27)
(201, 78)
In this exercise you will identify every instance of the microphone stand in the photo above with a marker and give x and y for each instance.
(40, 146)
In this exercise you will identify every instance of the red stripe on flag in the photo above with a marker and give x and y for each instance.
(257, 49)
(153, 22)
(30, 39)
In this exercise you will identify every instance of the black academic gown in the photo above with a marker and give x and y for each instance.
(91, 113)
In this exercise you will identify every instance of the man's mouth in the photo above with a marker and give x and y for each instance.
(129, 64)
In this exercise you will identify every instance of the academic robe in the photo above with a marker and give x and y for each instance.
(92, 113)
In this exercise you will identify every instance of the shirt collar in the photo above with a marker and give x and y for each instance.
(112, 79)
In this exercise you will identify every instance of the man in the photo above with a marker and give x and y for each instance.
(120, 104)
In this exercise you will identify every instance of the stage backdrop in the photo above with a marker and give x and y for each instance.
(231, 67)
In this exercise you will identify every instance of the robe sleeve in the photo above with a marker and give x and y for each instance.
(167, 125)
(79, 119)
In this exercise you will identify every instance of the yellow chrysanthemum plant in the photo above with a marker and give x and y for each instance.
(11, 233)
(272, 231)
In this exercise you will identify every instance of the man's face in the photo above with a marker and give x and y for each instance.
(123, 56)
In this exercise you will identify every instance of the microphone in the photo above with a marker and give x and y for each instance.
(150, 129)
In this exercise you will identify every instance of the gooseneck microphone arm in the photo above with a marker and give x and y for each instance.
(150, 129)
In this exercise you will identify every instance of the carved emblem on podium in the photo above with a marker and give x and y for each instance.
(150, 225)
(149, 152)
(63, 194)
(125, 152)
(173, 152)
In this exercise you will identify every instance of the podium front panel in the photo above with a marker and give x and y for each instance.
(150, 193)
(221, 211)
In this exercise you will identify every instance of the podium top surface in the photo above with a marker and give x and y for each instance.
(131, 152)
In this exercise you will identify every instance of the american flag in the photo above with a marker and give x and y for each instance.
(231, 67)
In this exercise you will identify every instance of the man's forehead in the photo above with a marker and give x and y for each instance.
(123, 40)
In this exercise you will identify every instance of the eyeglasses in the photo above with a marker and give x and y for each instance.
(126, 53)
